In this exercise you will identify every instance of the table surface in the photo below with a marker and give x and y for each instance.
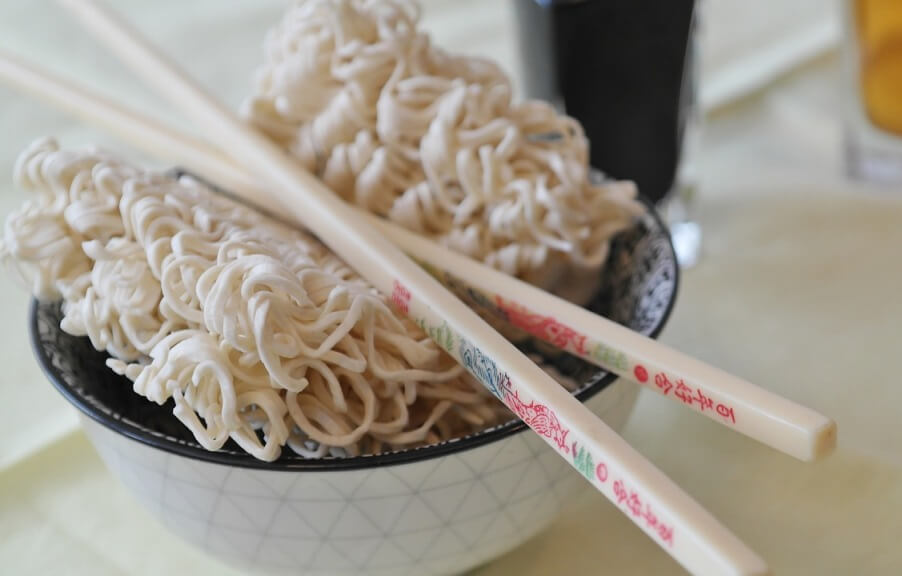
(797, 290)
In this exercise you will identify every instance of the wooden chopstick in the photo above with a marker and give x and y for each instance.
(695, 539)
(728, 400)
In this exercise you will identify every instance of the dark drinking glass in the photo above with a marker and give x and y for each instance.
(618, 67)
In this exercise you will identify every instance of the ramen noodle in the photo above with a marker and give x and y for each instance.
(254, 330)
(434, 142)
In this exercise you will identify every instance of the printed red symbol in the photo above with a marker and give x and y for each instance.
(620, 492)
(683, 392)
(641, 373)
(601, 472)
(400, 297)
(704, 402)
(544, 328)
(540, 418)
(650, 517)
(634, 504)
(726, 412)
(663, 383)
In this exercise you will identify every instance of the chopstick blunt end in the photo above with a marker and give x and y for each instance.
(824, 442)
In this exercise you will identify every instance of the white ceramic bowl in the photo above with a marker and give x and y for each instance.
(440, 509)
(438, 515)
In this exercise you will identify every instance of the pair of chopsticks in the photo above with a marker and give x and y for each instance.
(692, 536)
(743, 407)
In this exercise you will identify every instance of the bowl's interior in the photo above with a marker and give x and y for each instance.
(638, 289)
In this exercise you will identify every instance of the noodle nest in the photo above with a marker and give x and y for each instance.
(254, 330)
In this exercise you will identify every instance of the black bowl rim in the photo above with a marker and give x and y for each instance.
(109, 419)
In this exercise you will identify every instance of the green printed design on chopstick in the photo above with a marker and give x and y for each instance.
(582, 461)
(609, 358)
(442, 334)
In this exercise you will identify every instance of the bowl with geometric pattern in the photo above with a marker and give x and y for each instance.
(434, 510)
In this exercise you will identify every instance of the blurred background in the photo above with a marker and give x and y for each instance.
(794, 286)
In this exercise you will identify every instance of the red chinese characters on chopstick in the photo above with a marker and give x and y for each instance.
(542, 327)
(550, 330)
(691, 396)
(634, 504)
(631, 500)
(400, 297)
